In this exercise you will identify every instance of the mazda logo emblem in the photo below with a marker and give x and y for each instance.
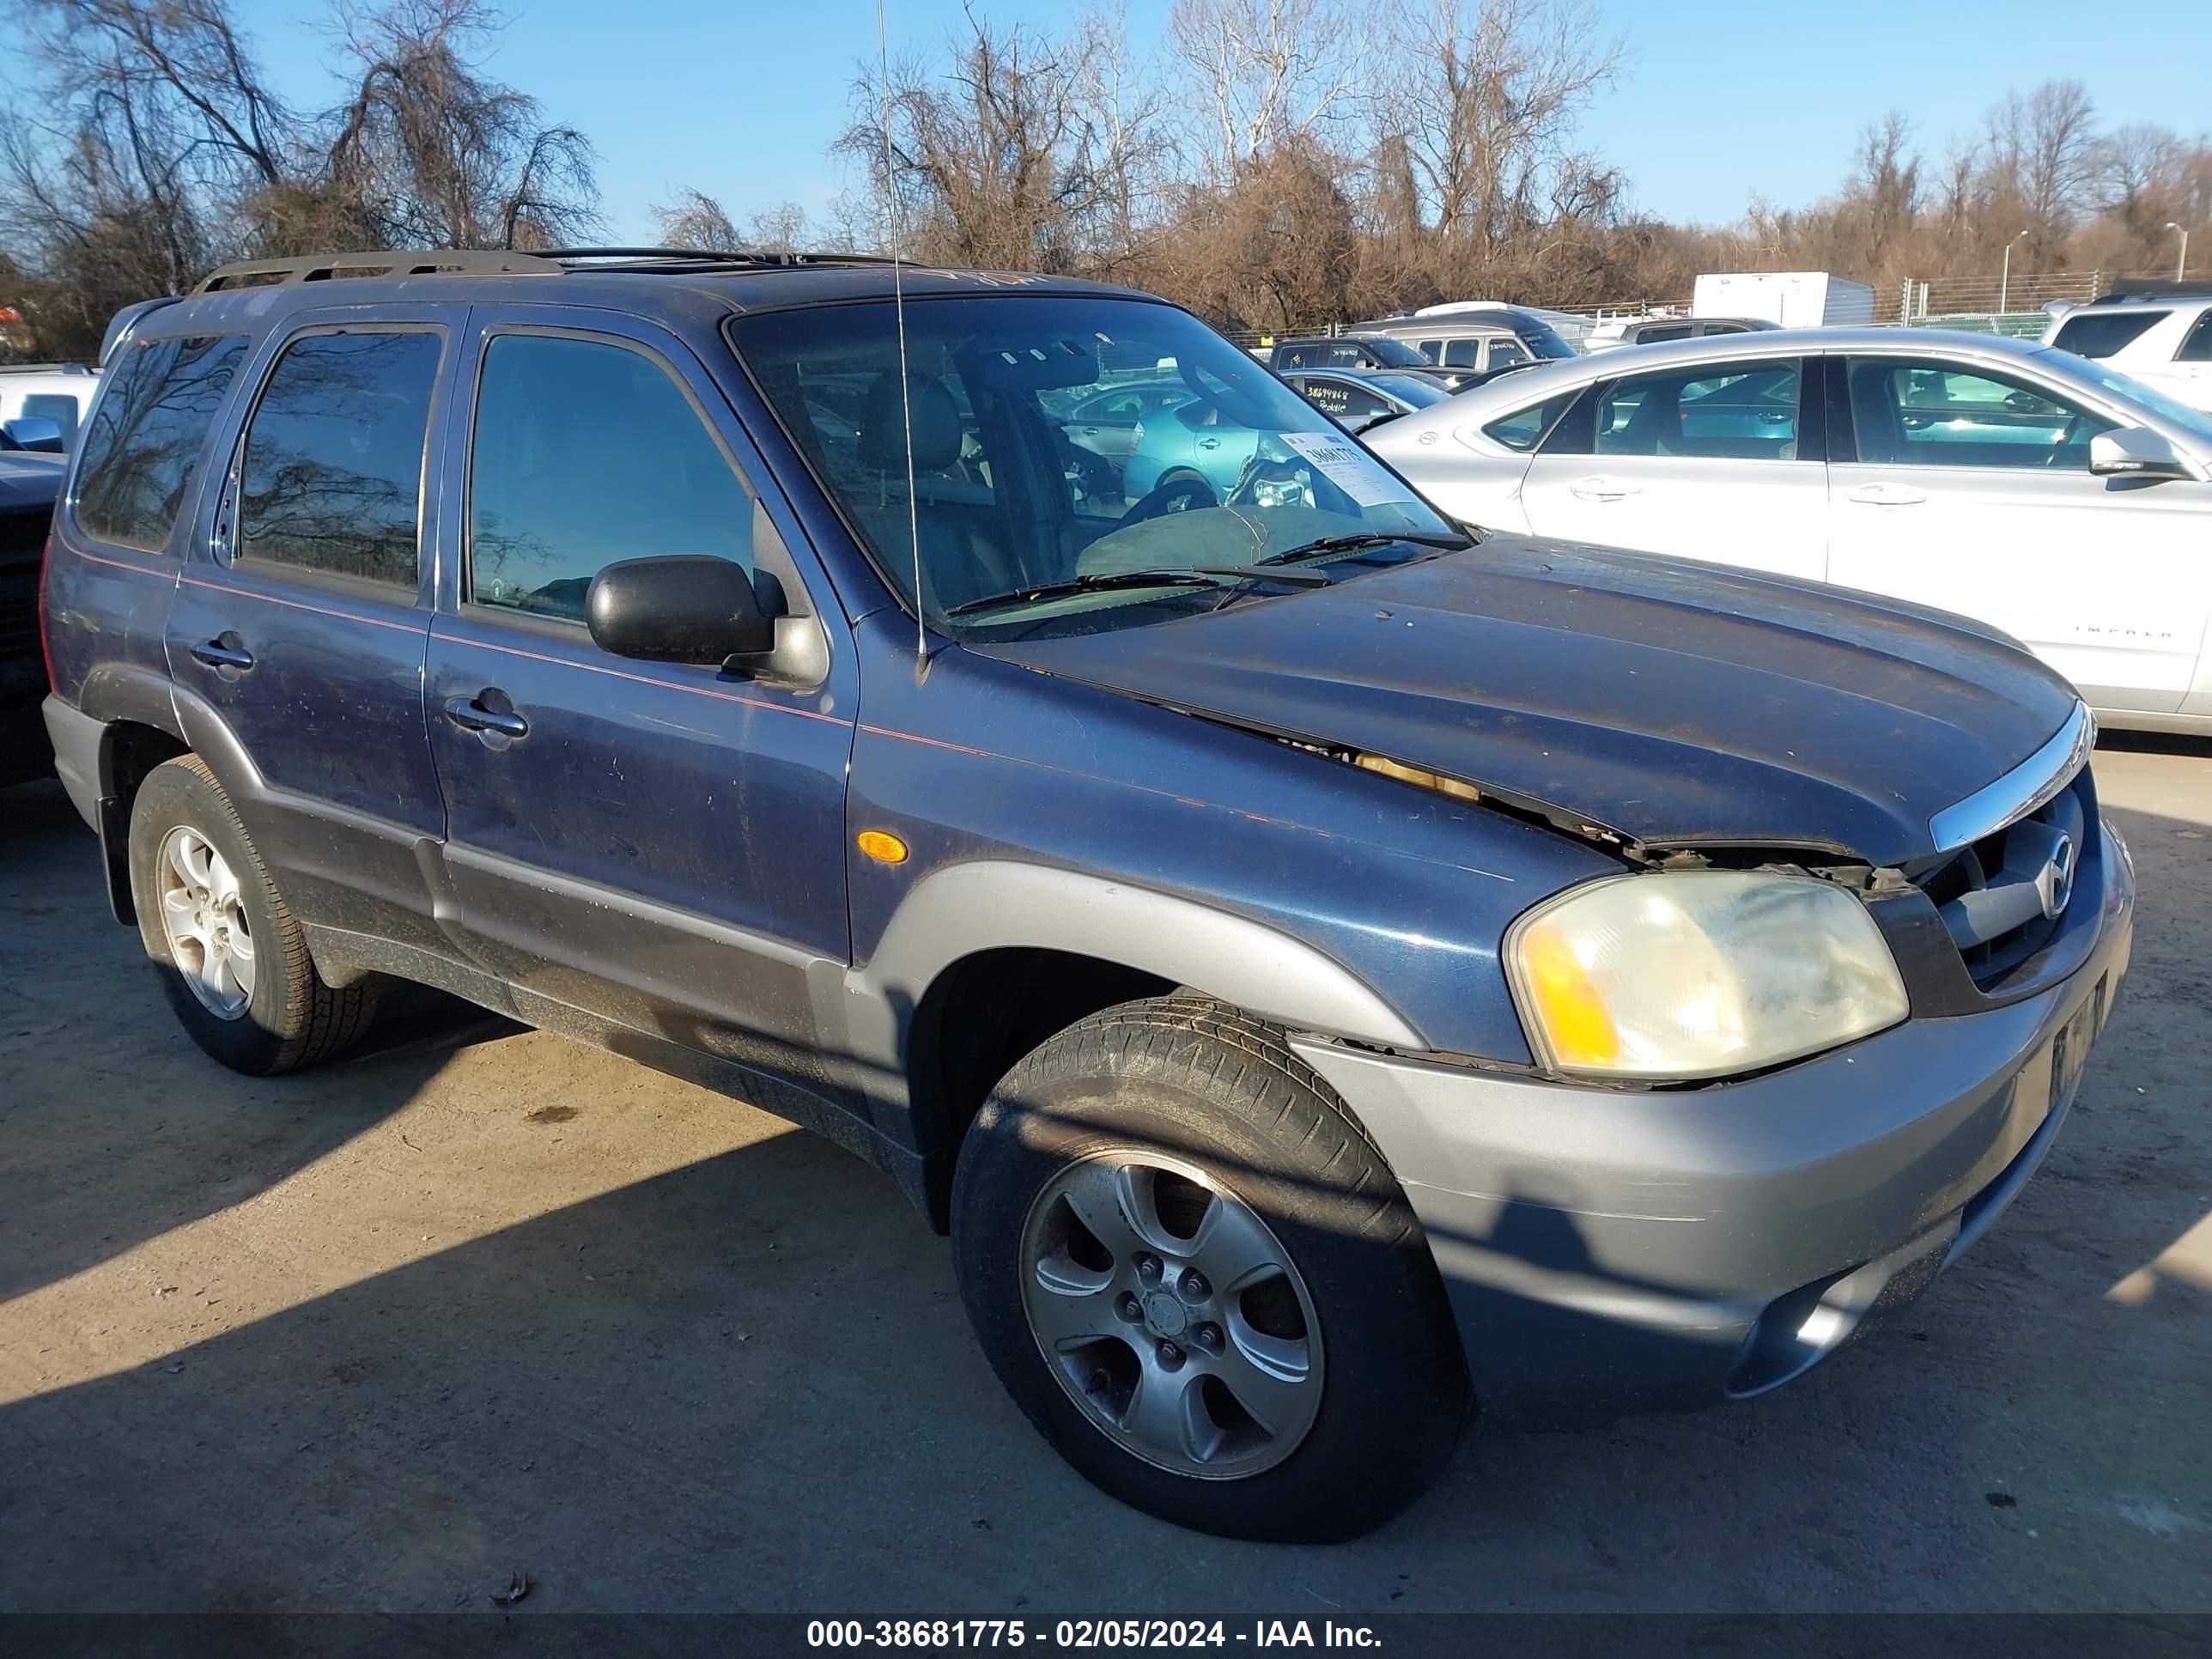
(2054, 882)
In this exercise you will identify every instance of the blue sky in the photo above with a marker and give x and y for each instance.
(1717, 100)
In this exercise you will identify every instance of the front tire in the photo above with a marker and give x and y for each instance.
(232, 962)
(1198, 1278)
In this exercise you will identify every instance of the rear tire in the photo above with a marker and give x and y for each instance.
(1308, 1396)
(232, 962)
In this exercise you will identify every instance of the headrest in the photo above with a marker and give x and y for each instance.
(936, 417)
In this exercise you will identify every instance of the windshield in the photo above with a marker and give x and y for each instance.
(1417, 390)
(1021, 481)
(1393, 353)
(1544, 341)
(2197, 422)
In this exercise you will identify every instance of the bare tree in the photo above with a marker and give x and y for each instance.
(161, 148)
(1268, 72)
(990, 156)
(429, 152)
(1124, 108)
(1484, 95)
(782, 228)
(695, 220)
(2042, 151)
(1885, 191)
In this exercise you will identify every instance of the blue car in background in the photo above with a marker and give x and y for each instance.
(1191, 440)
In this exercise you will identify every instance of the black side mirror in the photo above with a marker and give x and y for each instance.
(679, 608)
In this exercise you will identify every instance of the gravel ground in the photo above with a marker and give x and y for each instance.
(374, 1337)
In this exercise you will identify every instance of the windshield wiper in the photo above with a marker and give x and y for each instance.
(1366, 538)
(1183, 575)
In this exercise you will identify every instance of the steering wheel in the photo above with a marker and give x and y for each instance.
(1178, 494)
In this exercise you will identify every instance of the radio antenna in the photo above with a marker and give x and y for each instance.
(898, 310)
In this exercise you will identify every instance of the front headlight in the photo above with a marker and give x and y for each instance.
(1698, 974)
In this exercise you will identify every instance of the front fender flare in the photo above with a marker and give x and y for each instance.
(992, 904)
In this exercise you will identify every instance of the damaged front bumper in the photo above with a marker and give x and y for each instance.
(1609, 1251)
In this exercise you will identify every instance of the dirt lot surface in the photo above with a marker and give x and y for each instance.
(375, 1336)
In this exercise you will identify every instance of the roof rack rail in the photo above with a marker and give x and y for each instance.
(402, 262)
(652, 259)
(2155, 287)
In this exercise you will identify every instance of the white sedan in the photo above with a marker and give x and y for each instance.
(2045, 494)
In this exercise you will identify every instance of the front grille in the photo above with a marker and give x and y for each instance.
(1995, 896)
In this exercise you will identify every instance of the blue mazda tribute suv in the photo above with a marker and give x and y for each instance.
(1333, 974)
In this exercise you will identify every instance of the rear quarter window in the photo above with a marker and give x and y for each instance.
(1524, 429)
(143, 442)
(2102, 333)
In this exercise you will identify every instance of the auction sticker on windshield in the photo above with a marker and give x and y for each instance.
(1349, 467)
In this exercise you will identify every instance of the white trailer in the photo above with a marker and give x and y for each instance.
(1794, 299)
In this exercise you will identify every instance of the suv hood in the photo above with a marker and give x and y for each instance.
(1670, 702)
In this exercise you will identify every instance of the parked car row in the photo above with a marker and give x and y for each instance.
(2022, 486)
(1330, 973)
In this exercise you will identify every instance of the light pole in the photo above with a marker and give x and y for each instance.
(2005, 281)
(2181, 261)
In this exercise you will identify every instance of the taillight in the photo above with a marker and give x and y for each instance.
(46, 641)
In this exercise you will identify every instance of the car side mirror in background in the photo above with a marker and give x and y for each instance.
(689, 608)
(29, 432)
(2135, 451)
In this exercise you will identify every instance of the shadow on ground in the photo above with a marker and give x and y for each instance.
(94, 1074)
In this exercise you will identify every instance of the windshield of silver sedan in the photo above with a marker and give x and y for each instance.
(1066, 464)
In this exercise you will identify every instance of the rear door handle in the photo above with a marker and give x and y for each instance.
(1602, 489)
(1889, 494)
(224, 651)
(470, 715)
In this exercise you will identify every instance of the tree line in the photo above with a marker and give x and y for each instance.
(1274, 164)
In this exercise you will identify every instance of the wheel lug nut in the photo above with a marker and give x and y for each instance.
(1171, 1356)
(1209, 1336)
(1129, 1308)
(1148, 1269)
(1194, 1286)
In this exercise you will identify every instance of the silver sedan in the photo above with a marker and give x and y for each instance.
(2032, 489)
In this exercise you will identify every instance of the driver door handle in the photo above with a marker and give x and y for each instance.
(1889, 494)
(215, 653)
(470, 715)
(1602, 489)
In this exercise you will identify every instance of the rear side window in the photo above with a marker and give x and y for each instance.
(586, 452)
(2101, 333)
(143, 442)
(1503, 354)
(1524, 429)
(1461, 354)
(2197, 348)
(332, 475)
(1740, 412)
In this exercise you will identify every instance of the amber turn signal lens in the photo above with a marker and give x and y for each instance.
(882, 846)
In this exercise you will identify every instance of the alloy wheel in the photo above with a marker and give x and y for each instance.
(203, 918)
(1171, 1315)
